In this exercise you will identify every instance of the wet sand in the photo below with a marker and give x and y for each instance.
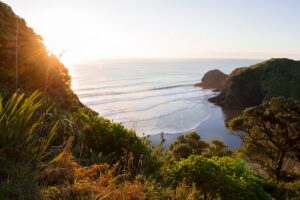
(210, 129)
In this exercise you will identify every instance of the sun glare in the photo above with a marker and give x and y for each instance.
(106, 30)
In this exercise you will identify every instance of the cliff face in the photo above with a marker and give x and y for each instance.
(252, 85)
(37, 70)
(213, 79)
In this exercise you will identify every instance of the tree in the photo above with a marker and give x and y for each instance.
(186, 145)
(218, 148)
(271, 134)
(217, 178)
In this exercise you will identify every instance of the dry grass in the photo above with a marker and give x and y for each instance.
(66, 179)
(185, 192)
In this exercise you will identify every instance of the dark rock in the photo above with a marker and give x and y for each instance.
(213, 79)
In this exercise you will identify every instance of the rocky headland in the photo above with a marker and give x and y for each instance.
(250, 86)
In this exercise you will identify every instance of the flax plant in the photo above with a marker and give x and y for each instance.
(23, 136)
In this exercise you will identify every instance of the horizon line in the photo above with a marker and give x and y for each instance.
(169, 59)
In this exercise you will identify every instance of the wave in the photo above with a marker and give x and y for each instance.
(156, 117)
(111, 86)
(106, 101)
(88, 82)
(186, 130)
(135, 91)
(191, 99)
(161, 116)
(90, 79)
(172, 86)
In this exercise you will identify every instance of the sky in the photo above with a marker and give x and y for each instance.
(87, 30)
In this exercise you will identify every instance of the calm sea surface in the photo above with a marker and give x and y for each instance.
(153, 96)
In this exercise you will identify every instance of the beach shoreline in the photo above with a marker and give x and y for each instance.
(211, 128)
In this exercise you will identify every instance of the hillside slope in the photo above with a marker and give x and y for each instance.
(37, 69)
(253, 85)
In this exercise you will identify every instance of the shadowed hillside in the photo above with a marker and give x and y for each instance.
(37, 70)
(253, 85)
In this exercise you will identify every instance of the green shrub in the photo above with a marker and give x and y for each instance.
(101, 140)
(24, 136)
(24, 140)
(216, 177)
(191, 144)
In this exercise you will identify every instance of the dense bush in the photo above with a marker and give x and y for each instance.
(99, 139)
(224, 178)
(191, 144)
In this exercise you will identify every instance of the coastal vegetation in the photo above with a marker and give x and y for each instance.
(191, 144)
(275, 127)
(54, 147)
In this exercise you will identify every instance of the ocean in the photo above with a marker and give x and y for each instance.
(154, 96)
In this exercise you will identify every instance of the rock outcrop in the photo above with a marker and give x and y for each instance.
(213, 79)
(250, 86)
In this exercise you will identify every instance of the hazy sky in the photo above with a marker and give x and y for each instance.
(104, 29)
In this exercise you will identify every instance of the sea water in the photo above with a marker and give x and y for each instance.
(154, 96)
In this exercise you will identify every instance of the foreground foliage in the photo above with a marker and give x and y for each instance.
(66, 179)
(215, 177)
(21, 137)
(24, 141)
(119, 171)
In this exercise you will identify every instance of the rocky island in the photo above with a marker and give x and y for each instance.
(213, 79)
